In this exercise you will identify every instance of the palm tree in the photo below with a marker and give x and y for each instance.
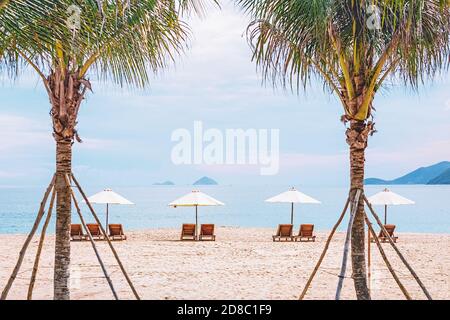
(65, 41)
(353, 47)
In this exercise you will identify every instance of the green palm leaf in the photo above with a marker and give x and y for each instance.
(294, 40)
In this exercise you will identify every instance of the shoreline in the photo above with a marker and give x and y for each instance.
(243, 263)
(295, 230)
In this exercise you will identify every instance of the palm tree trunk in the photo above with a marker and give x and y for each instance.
(63, 220)
(357, 136)
(67, 93)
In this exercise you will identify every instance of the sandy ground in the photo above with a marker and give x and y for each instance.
(242, 264)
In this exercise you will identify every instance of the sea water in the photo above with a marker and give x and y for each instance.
(244, 207)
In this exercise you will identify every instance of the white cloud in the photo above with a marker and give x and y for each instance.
(293, 160)
(17, 132)
(447, 104)
(289, 162)
(389, 164)
(98, 144)
(23, 133)
(10, 174)
(438, 150)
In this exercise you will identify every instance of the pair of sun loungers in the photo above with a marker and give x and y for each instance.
(115, 232)
(390, 230)
(305, 233)
(206, 232)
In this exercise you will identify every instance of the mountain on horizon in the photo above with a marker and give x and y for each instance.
(165, 183)
(205, 181)
(438, 173)
(443, 178)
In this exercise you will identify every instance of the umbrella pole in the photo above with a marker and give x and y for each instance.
(385, 214)
(107, 213)
(196, 222)
(292, 213)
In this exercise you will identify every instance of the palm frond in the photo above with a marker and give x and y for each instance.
(293, 40)
(121, 40)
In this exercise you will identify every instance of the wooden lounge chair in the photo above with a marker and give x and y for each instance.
(76, 233)
(207, 232)
(188, 231)
(284, 232)
(94, 229)
(390, 230)
(116, 232)
(305, 233)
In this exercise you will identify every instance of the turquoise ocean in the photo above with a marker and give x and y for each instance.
(244, 207)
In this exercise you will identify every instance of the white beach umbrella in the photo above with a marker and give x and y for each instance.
(293, 196)
(195, 199)
(388, 198)
(108, 197)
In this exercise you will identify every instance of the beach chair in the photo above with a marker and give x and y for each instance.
(207, 232)
(305, 233)
(94, 229)
(390, 230)
(284, 232)
(116, 232)
(188, 231)
(76, 233)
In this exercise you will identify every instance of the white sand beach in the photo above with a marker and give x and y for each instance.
(243, 263)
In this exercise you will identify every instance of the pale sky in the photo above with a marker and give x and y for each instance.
(127, 133)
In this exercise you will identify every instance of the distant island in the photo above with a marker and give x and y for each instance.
(205, 181)
(443, 178)
(165, 183)
(438, 173)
